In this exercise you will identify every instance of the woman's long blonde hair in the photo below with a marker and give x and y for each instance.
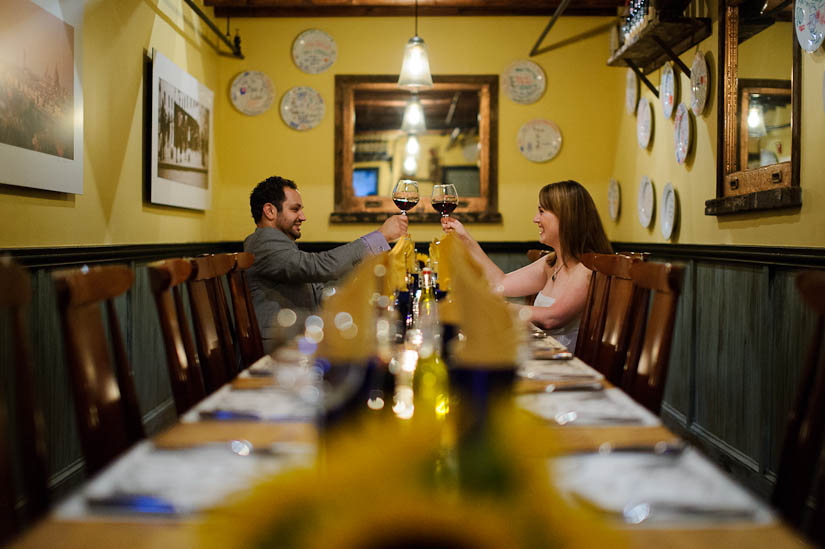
(580, 227)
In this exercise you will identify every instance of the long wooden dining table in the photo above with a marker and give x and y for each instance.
(72, 524)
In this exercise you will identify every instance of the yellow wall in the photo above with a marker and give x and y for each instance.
(584, 97)
(111, 209)
(695, 181)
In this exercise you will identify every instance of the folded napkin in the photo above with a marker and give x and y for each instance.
(266, 404)
(677, 487)
(608, 407)
(558, 370)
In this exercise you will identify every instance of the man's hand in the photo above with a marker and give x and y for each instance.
(394, 227)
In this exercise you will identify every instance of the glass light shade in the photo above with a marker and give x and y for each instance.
(413, 146)
(415, 69)
(413, 121)
(410, 165)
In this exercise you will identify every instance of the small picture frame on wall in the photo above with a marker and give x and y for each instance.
(41, 114)
(181, 137)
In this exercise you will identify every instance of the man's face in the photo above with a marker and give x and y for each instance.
(291, 215)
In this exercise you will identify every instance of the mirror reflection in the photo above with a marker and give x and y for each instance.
(444, 135)
(765, 126)
(436, 144)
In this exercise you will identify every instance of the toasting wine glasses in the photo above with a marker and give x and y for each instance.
(405, 195)
(445, 199)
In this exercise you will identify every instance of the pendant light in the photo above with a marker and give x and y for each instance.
(413, 121)
(415, 69)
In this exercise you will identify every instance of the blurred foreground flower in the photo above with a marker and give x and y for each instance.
(385, 483)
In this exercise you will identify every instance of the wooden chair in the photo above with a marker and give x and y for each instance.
(654, 314)
(611, 351)
(106, 405)
(213, 335)
(185, 371)
(805, 425)
(533, 256)
(15, 295)
(592, 319)
(247, 332)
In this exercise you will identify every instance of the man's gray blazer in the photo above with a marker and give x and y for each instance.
(284, 276)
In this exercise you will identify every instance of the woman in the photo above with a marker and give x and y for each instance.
(569, 223)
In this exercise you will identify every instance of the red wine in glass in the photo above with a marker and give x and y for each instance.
(405, 195)
(445, 207)
(444, 198)
(405, 204)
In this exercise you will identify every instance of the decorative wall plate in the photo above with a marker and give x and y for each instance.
(302, 108)
(631, 91)
(524, 81)
(539, 140)
(809, 21)
(646, 201)
(698, 83)
(682, 133)
(670, 211)
(252, 92)
(644, 122)
(668, 89)
(614, 199)
(314, 51)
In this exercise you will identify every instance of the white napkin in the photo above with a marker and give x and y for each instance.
(558, 370)
(620, 480)
(191, 479)
(606, 407)
(265, 404)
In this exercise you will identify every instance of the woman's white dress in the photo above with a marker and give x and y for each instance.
(566, 335)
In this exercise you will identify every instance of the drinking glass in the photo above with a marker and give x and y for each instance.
(405, 195)
(445, 198)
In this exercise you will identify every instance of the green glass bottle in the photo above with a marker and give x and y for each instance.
(430, 381)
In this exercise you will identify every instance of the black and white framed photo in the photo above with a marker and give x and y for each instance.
(181, 148)
(41, 98)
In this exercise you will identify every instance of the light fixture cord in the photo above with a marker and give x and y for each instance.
(416, 17)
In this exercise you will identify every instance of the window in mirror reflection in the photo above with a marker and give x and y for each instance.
(365, 181)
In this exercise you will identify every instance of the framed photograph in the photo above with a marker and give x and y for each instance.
(181, 150)
(41, 99)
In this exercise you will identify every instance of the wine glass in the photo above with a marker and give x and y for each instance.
(445, 198)
(405, 195)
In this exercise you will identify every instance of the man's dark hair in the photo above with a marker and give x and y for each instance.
(270, 190)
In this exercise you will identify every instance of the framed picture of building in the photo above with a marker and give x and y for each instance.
(41, 99)
(181, 144)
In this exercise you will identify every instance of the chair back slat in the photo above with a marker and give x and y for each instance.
(182, 361)
(247, 332)
(805, 424)
(611, 353)
(593, 317)
(106, 404)
(216, 354)
(654, 316)
(30, 442)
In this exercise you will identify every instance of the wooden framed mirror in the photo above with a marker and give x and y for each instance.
(372, 152)
(759, 87)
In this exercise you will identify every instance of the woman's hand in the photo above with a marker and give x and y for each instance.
(452, 224)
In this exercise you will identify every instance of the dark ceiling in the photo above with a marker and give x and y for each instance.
(380, 8)
(443, 109)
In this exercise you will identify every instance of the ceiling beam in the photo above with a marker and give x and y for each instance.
(389, 8)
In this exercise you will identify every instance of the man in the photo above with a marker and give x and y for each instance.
(285, 277)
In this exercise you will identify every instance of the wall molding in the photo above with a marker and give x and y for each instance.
(65, 256)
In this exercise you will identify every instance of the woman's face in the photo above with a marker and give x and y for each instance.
(548, 226)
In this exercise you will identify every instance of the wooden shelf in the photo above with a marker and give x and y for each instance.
(677, 33)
